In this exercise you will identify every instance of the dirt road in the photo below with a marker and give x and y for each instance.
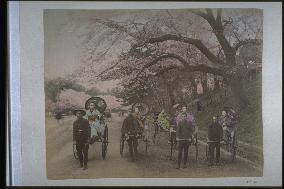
(156, 164)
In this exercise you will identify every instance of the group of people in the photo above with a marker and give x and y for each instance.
(88, 126)
(220, 131)
(185, 126)
(134, 124)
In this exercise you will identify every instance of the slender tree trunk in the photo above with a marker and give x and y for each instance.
(171, 97)
(216, 83)
(194, 86)
(204, 86)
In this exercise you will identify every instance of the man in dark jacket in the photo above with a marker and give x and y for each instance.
(130, 129)
(81, 137)
(184, 133)
(215, 133)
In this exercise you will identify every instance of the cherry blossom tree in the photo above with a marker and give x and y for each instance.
(194, 41)
(71, 99)
(54, 86)
(111, 101)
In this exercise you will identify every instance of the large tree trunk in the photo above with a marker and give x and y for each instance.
(238, 92)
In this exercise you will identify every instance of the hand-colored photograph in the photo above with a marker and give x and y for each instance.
(153, 93)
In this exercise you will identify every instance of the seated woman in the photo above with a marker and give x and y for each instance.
(228, 121)
(94, 117)
(146, 128)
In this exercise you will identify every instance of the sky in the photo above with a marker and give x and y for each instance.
(63, 48)
(61, 54)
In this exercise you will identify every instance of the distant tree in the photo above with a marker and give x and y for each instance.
(49, 105)
(93, 92)
(70, 99)
(55, 86)
(133, 92)
(111, 101)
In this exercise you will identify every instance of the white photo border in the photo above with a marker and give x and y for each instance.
(27, 95)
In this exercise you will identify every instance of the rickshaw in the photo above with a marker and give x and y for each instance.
(155, 125)
(231, 144)
(100, 105)
(144, 135)
(108, 115)
(173, 142)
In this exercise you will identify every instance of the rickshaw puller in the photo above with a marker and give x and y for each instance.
(131, 129)
(186, 128)
(81, 137)
(215, 133)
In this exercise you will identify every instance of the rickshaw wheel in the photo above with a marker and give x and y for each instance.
(147, 146)
(233, 148)
(104, 149)
(196, 148)
(121, 145)
(206, 152)
(105, 143)
(172, 143)
(75, 152)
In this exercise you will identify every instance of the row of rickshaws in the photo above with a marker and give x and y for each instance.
(101, 105)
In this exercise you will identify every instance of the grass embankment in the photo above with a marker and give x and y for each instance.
(250, 124)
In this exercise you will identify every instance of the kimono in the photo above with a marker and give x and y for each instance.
(97, 126)
(164, 120)
(228, 126)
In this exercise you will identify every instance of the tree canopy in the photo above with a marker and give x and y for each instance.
(156, 42)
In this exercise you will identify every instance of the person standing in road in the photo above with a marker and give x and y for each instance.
(130, 129)
(81, 137)
(58, 116)
(186, 128)
(215, 133)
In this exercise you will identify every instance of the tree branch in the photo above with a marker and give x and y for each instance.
(210, 13)
(227, 22)
(217, 70)
(236, 36)
(165, 56)
(246, 42)
(218, 31)
(161, 72)
(219, 15)
(121, 28)
(205, 69)
(107, 69)
(197, 43)
(200, 13)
